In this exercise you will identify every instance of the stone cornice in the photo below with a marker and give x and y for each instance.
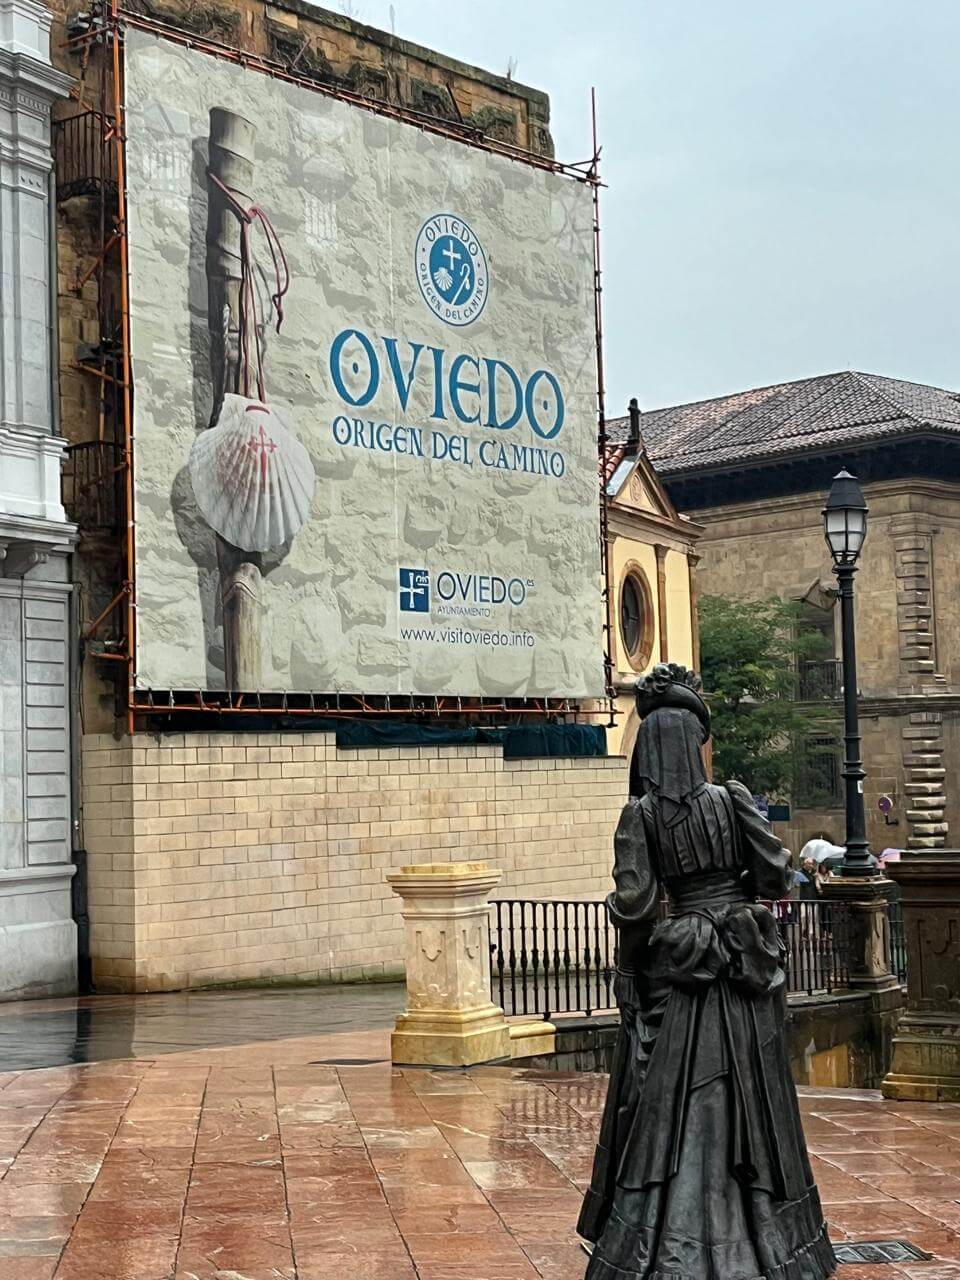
(627, 522)
(24, 172)
(29, 85)
(407, 49)
(57, 535)
(889, 704)
(36, 879)
(895, 704)
(914, 467)
(875, 492)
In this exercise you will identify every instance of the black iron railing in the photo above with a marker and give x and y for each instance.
(553, 956)
(84, 157)
(819, 681)
(816, 937)
(92, 484)
(898, 941)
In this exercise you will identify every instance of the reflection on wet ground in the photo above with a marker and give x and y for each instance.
(261, 1162)
(54, 1033)
(269, 1150)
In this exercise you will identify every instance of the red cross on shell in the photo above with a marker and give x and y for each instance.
(252, 478)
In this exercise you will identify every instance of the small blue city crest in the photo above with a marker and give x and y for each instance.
(451, 269)
(414, 590)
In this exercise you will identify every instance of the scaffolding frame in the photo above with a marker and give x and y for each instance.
(99, 47)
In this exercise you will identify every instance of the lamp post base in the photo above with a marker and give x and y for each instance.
(867, 870)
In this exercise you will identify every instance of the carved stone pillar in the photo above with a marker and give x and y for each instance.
(662, 602)
(450, 1020)
(693, 559)
(866, 900)
(926, 1048)
(29, 85)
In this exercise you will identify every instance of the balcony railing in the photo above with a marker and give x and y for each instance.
(819, 681)
(84, 159)
(553, 957)
(93, 476)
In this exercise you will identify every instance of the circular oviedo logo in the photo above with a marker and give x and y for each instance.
(451, 269)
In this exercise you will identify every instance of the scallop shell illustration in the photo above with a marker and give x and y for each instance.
(252, 478)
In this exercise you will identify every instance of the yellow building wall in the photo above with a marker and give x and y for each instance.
(680, 647)
(624, 552)
(679, 615)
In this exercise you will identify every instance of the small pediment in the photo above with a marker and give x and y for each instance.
(634, 484)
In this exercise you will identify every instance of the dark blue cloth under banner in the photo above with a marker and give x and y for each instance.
(518, 741)
(554, 740)
(523, 741)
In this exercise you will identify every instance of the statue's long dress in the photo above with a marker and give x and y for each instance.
(702, 1170)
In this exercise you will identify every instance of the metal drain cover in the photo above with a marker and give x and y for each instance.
(879, 1251)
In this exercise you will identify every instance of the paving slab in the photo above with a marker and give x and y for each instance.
(280, 1156)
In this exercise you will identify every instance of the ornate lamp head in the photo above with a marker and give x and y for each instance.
(670, 685)
(845, 519)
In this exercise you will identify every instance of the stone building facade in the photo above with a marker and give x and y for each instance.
(37, 933)
(218, 855)
(754, 470)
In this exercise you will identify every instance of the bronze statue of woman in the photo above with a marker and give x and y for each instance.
(701, 1171)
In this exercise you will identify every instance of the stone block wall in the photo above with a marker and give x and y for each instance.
(907, 613)
(219, 858)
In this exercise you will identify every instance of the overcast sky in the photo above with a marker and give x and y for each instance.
(783, 176)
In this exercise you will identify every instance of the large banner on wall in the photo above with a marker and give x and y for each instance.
(365, 398)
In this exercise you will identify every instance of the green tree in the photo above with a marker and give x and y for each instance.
(749, 655)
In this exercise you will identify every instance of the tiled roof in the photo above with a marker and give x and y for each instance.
(613, 455)
(813, 415)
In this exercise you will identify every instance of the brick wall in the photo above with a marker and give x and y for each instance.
(246, 857)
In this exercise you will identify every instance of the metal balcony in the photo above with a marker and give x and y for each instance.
(819, 681)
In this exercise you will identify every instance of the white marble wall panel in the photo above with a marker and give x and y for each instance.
(37, 933)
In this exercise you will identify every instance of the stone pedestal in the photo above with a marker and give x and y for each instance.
(866, 899)
(450, 1020)
(926, 1048)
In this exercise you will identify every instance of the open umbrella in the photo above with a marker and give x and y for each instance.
(820, 850)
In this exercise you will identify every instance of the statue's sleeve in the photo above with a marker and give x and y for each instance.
(764, 857)
(633, 905)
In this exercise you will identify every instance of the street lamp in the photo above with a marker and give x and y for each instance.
(845, 528)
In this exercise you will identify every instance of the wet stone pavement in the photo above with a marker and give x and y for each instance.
(53, 1033)
(311, 1158)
